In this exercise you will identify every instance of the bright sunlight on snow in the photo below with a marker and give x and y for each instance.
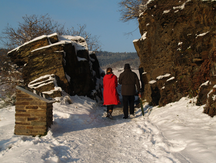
(176, 133)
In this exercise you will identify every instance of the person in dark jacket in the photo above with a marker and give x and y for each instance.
(130, 83)
(110, 94)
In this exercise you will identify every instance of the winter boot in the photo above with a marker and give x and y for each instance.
(109, 115)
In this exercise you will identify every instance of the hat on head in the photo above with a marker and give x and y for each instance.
(127, 66)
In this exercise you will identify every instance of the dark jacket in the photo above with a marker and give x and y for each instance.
(128, 79)
(110, 94)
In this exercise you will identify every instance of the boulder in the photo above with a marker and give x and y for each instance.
(51, 62)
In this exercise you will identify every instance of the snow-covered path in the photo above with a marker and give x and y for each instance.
(176, 133)
(98, 139)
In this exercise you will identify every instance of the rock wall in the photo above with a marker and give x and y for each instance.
(177, 51)
(52, 63)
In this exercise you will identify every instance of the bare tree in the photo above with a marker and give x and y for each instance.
(92, 41)
(34, 26)
(10, 76)
(130, 9)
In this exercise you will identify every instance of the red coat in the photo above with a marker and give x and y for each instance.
(110, 94)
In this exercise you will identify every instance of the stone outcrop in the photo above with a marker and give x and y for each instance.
(53, 63)
(177, 51)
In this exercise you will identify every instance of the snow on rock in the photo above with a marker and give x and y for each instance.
(135, 40)
(79, 41)
(144, 36)
(163, 76)
(28, 42)
(44, 81)
(182, 6)
(67, 57)
(172, 78)
(41, 81)
(152, 81)
(166, 11)
(202, 34)
(205, 83)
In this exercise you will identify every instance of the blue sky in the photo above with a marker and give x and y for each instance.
(101, 18)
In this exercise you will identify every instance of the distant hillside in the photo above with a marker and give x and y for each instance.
(117, 60)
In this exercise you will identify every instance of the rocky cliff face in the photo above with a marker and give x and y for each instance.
(177, 51)
(54, 63)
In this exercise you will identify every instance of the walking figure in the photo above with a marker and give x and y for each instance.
(110, 94)
(130, 82)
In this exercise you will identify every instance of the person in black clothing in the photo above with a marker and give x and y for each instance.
(130, 82)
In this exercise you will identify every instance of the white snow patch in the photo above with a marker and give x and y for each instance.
(166, 11)
(209, 93)
(35, 39)
(172, 78)
(182, 6)
(163, 76)
(214, 97)
(152, 81)
(202, 34)
(78, 41)
(135, 40)
(205, 83)
(45, 80)
(189, 47)
(141, 14)
(180, 43)
(144, 36)
(52, 91)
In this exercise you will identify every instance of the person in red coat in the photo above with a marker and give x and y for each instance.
(110, 94)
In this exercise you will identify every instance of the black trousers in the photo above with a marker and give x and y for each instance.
(128, 100)
(110, 108)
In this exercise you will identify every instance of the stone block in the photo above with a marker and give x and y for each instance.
(21, 132)
(21, 127)
(38, 103)
(20, 119)
(20, 107)
(40, 127)
(22, 114)
(32, 107)
(38, 123)
(21, 103)
(22, 99)
(33, 119)
(20, 111)
(40, 113)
